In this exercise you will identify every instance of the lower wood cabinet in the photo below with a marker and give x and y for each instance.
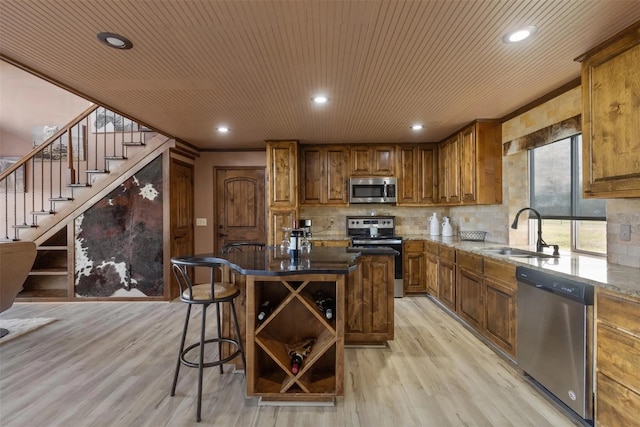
(500, 325)
(447, 276)
(414, 266)
(431, 251)
(617, 360)
(369, 300)
(470, 299)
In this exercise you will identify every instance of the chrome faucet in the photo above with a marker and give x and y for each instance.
(540, 244)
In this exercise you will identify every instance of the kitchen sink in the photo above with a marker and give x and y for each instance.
(516, 253)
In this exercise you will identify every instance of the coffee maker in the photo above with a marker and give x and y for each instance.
(305, 225)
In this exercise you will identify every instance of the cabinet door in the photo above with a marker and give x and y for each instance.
(336, 174)
(414, 267)
(384, 160)
(470, 298)
(610, 133)
(312, 175)
(376, 160)
(282, 173)
(468, 164)
(427, 175)
(408, 166)
(449, 171)
(369, 301)
(447, 283)
(432, 275)
(500, 317)
(278, 219)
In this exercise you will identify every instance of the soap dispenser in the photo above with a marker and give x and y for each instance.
(447, 230)
(434, 225)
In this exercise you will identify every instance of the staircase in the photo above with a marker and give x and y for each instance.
(75, 167)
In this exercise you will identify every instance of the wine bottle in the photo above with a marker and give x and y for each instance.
(295, 241)
(326, 305)
(264, 310)
(296, 363)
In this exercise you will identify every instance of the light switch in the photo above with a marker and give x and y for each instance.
(625, 232)
(201, 222)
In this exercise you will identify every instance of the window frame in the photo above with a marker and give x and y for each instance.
(575, 143)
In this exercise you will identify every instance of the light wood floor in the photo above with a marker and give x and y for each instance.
(111, 364)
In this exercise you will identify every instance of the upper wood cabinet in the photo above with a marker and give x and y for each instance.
(416, 166)
(282, 173)
(324, 175)
(449, 171)
(373, 160)
(470, 165)
(610, 126)
(481, 163)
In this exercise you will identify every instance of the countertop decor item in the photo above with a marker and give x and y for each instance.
(472, 236)
(447, 229)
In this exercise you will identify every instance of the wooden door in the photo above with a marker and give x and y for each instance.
(428, 174)
(240, 205)
(181, 222)
(407, 174)
(432, 275)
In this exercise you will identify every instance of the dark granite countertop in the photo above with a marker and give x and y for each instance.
(272, 262)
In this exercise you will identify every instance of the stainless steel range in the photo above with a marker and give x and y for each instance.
(378, 231)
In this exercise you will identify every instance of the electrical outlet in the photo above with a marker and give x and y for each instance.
(625, 232)
(201, 222)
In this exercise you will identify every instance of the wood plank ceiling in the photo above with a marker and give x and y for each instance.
(254, 65)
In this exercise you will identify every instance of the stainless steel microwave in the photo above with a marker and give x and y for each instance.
(375, 189)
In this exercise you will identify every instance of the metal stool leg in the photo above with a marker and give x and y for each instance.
(201, 364)
(219, 335)
(184, 336)
(239, 337)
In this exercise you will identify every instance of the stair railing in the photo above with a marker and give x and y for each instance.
(70, 158)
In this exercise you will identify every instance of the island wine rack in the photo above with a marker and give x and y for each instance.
(295, 318)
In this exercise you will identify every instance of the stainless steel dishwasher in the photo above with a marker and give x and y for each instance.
(555, 336)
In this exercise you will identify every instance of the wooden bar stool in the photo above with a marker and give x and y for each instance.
(204, 294)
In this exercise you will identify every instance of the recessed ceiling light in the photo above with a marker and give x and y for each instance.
(417, 127)
(223, 129)
(115, 41)
(320, 99)
(519, 35)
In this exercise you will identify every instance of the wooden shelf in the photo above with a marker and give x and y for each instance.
(293, 320)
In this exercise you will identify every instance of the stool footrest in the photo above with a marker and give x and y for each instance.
(185, 362)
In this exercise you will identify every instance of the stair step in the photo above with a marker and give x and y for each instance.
(97, 171)
(115, 158)
(79, 185)
(41, 213)
(24, 226)
(133, 144)
(60, 199)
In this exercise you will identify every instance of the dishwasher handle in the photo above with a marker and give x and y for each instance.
(561, 286)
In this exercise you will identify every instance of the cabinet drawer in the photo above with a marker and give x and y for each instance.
(447, 253)
(615, 405)
(622, 313)
(502, 271)
(470, 262)
(413, 245)
(619, 356)
(431, 247)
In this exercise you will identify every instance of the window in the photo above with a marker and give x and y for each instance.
(556, 192)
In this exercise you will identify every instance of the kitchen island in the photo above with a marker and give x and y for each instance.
(287, 291)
